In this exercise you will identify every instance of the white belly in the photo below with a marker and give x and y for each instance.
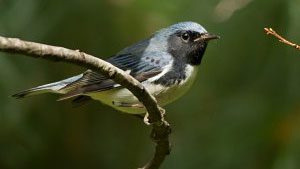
(164, 95)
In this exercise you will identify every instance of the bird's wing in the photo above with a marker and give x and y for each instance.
(141, 68)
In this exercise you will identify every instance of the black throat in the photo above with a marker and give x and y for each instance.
(195, 57)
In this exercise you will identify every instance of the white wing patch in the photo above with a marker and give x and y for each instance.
(165, 70)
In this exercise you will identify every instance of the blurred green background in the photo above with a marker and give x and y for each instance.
(242, 112)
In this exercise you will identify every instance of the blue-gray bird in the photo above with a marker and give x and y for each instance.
(165, 63)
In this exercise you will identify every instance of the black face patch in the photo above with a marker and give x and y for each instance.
(187, 51)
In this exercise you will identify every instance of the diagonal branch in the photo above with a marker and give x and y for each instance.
(270, 31)
(161, 128)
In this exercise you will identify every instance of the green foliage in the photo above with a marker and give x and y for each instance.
(242, 112)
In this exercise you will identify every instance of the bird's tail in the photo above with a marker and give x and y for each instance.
(56, 87)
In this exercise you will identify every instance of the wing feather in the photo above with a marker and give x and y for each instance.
(95, 82)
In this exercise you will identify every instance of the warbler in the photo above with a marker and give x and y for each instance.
(166, 64)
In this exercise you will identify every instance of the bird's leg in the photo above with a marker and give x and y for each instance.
(135, 105)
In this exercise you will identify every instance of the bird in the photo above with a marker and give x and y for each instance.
(166, 63)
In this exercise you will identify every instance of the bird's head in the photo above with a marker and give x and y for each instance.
(186, 41)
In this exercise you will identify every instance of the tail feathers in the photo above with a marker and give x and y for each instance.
(47, 88)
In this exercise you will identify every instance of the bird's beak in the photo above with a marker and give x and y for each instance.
(206, 37)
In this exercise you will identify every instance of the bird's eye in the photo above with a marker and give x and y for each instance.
(185, 37)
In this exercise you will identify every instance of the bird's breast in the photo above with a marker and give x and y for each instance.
(163, 94)
(166, 94)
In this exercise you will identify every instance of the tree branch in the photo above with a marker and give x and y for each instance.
(161, 128)
(270, 31)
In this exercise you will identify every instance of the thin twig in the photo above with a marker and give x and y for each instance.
(161, 128)
(270, 31)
